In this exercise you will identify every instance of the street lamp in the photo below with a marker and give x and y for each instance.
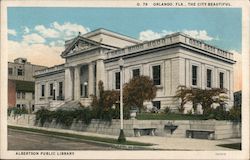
(121, 137)
(85, 89)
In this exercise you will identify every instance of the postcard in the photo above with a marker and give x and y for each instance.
(161, 79)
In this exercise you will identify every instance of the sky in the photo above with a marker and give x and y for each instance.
(38, 33)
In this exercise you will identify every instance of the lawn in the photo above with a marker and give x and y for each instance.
(171, 116)
(80, 137)
(232, 145)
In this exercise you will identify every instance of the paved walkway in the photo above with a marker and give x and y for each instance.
(164, 143)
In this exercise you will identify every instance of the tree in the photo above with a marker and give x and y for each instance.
(184, 95)
(138, 90)
(204, 97)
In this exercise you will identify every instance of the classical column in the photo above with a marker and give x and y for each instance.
(77, 83)
(68, 84)
(203, 76)
(100, 68)
(91, 79)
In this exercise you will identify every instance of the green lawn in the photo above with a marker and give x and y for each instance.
(81, 137)
(232, 145)
(171, 116)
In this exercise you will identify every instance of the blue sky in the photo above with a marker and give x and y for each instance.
(49, 27)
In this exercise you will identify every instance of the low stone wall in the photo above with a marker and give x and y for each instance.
(222, 129)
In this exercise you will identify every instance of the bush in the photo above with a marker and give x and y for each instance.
(17, 111)
(181, 109)
(65, 117)
(167, 110)
(235, 113)
(190, 112)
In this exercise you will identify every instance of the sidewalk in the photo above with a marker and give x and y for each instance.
(161, 143)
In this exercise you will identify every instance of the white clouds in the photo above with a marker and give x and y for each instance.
(33, 39)
(69, 30)
(202, 34)
(26, 30)
(40, 54)
(150, 35)
(47, 32)
(12, 32)
(198, 34)
(56, 43)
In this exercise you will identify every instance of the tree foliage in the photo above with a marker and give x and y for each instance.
(138, 90)
(204, 97)
(102, 105)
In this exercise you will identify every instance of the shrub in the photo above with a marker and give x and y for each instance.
(43, 115)
(167, 110)
(235, 113)
(189, 112)
(181, 109)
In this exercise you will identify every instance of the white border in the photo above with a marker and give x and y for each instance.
(244, 154)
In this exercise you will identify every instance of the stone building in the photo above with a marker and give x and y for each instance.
(21, 83)
(173, 60)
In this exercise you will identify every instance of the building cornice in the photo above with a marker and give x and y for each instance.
(169, 40)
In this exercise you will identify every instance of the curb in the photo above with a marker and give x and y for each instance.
(118, 146)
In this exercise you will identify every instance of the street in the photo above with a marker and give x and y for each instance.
(19, 140)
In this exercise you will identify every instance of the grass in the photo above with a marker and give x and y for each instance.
(170, 116)
(81, 137)
(231, 145)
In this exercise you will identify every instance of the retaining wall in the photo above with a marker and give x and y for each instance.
(222, 129)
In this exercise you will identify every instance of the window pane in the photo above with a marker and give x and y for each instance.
(51, 89)
(221, 80)
(60, 89)
(19, 72)
(10, 70)
(194, 75)
(136, 73)
(117, 80)
(23, 95)
(157, 75)
(43, 89)
(209, 78)
(157, 104)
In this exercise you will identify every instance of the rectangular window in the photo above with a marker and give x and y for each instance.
(95, 79)
(194, 75)
(157, 104)
(23, 95)
(117, 80)
(209, 78)
(81, 89)
(33, 95)
(18, 95)
(60, 90)
(136, 73)
(51, 89)
(43, 90)
(19, 72)
(157, 75)
(221, 80)
(10, 71)
(18, 105)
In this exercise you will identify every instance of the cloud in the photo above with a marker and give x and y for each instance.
(57, 43)
(47, 32)
(237, 70)
(39, 54)
(70, 30)
(198, 34)
(12, 32)
(26, 30)
(33, 38)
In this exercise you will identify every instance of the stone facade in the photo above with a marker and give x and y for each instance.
(173, 60)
